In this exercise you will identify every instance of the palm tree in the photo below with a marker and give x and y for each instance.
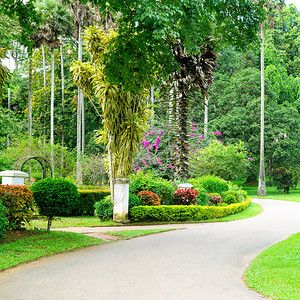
(57, 22)
(270, 7)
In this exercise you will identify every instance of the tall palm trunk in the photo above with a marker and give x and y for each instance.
(79, 116)
(262, 191)
(30, 96)
(52, 111)
(62, 102)
(44, 74)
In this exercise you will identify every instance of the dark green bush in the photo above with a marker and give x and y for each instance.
(203, 197)
(55, 197)
(19, 203)
(166, 213)
(211, 183)
(87, 200)
(134, 201)
(230, 197)
(147, 182)
(3, 221)
(282, 179)
(104, 209)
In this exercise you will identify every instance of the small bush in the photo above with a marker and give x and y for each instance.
(3, 221)
(203, 197)
(282, 179)
(146, 182)
(87, 200)
(134, 201)
(212, 184)
(149, 198)
(185, 196)
(19, 203)
(104, 209)
(55, 197)
(215, 199)
(166, 213)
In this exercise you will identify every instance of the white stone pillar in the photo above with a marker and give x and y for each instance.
(121, 195)
(13, 177)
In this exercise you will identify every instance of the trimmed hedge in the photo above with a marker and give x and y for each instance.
(166, 213)
(87, 200)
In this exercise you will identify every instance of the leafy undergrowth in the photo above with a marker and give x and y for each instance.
(276, 271)
(42, 244)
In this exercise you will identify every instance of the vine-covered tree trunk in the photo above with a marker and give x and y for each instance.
(30, 96)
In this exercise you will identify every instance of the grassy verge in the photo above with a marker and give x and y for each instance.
(43, 244)
(128, 234)
(276, 271)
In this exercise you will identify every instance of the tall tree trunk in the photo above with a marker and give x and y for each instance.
(182, 170)
(262, 191)
(62, 104)
(79, 116)
(30, 96)
(82, 124)
(52, 112)
(152, 103)
(205, 114)
(44, 64)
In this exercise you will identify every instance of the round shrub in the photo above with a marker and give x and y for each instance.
(19, 203)
(212, 184)
(104, 209)
(55, 197)
(149, 198)
(185, 196)
(203, 197)
(3, 221)
(230, 197)
(215, 199)
(147, 182)
(134, 201)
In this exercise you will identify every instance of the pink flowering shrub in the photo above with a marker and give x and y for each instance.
(158, 149)
(185, 196)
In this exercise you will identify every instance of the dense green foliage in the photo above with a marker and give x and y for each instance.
(19, 203)
(147, 182)
(87, 200)
(104, 209)
(168, 213)
(210, 183)
(283, 179)
(55, 197)
(3, 221)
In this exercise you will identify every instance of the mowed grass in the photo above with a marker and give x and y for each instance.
(129, 234)
(276, 271)
(272, 193)
(43, 244)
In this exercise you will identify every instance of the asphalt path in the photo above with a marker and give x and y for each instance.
(203, 261)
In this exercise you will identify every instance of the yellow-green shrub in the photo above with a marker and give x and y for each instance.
(167, 213)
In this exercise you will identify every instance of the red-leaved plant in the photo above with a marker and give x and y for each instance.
(149, 198)
(185, 196)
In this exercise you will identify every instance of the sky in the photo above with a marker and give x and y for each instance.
(296, 2)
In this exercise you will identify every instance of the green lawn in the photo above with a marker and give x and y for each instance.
(43, 244)
(272, 193)
(276, 271)
(128, 234)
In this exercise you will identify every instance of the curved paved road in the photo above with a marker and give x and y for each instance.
(204, 261)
